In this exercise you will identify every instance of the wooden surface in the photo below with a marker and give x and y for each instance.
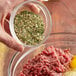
(63, 33)
(3, 52)
(5, 57)
(64, 21)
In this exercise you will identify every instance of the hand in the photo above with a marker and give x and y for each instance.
(4, 11)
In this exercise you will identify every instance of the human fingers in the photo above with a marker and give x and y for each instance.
(9, 41)
(10, 4)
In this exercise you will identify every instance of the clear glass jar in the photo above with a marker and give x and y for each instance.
(44, 14)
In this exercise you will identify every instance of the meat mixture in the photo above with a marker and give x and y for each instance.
(50, 62)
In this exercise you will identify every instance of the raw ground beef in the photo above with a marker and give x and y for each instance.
(50, 62)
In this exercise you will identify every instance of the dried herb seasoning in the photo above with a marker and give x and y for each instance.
(29, 27)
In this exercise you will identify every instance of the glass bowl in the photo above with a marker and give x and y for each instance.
(20, 59)
(44, 14)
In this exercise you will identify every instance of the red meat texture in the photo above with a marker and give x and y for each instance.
(50, 62)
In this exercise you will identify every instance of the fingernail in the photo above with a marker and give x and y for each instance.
(21, 48)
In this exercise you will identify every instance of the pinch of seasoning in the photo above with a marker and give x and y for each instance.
(29, 27)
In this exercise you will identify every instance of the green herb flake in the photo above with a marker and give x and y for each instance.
(29, 27)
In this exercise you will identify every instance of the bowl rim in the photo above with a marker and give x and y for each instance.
(10, 63)
(21, 57)
(11, 25)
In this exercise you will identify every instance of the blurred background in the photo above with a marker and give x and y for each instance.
(63, 33)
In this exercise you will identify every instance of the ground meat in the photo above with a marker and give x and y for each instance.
(50, 62)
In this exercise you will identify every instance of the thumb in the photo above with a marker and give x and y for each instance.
(9, 41)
